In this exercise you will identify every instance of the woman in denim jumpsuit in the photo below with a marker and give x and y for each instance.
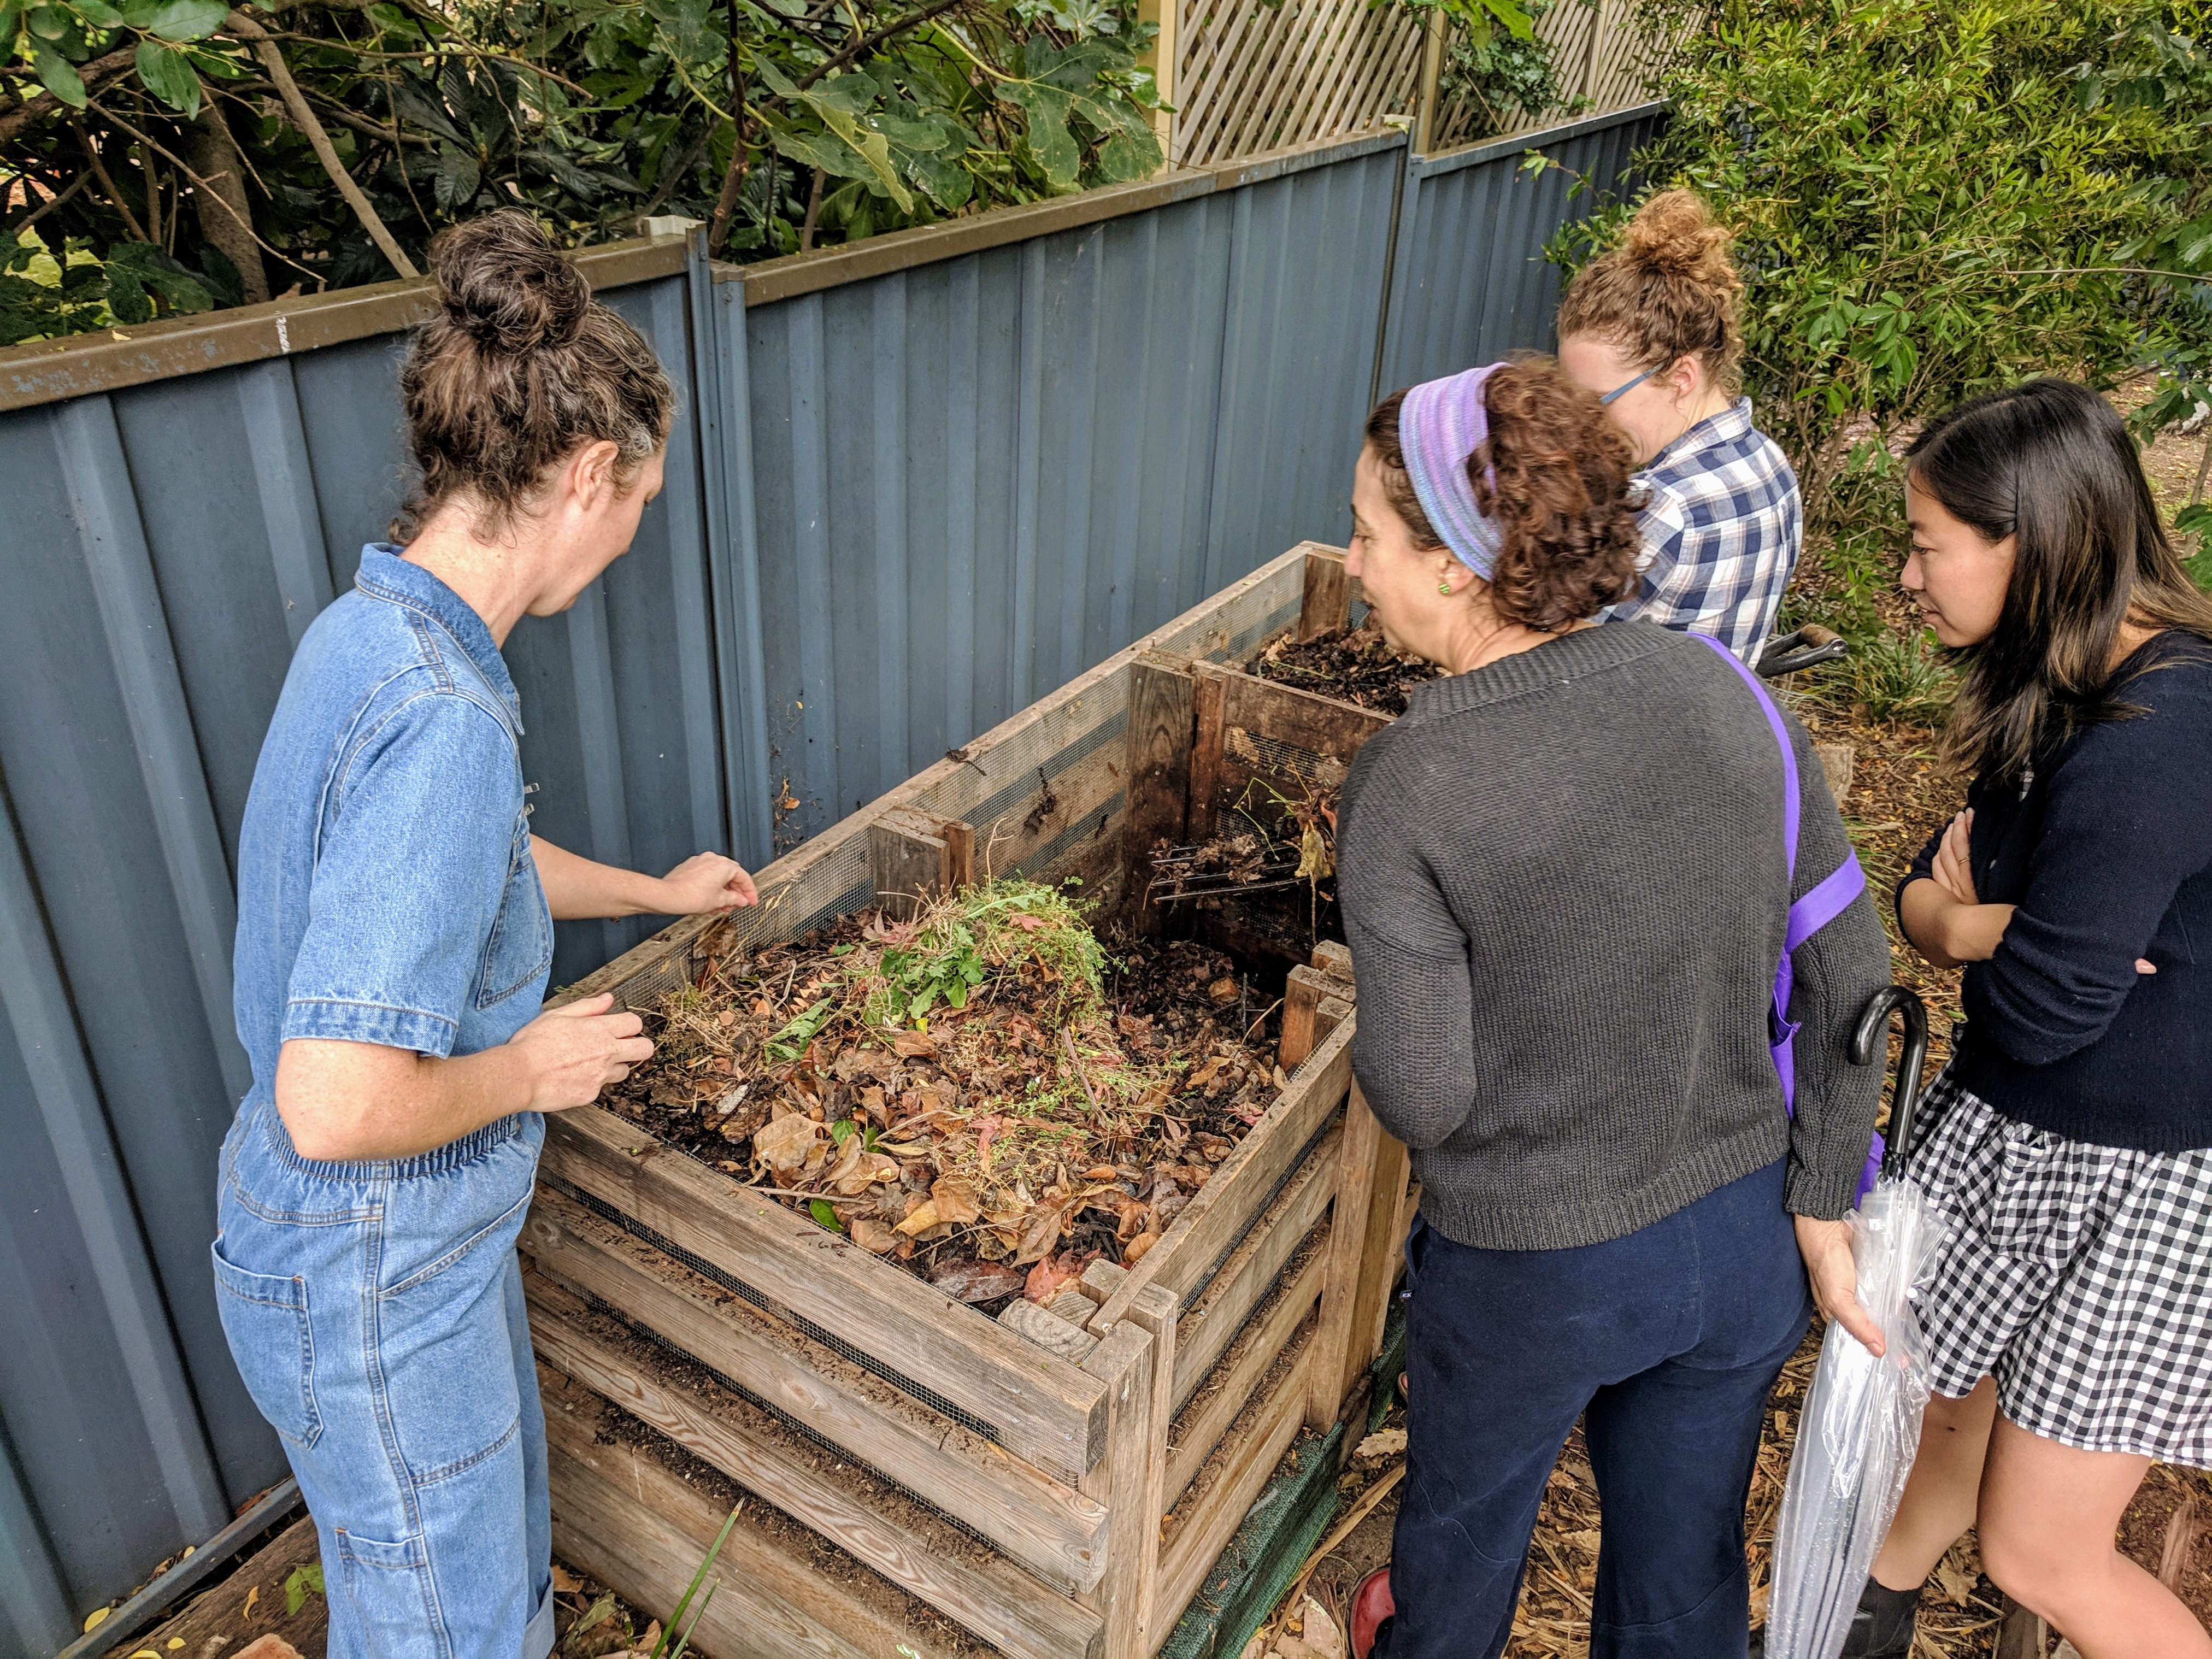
(395, 936)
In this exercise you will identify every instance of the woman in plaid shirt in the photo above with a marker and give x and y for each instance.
(1652, 328)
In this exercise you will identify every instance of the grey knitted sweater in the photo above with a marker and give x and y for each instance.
(1563, 886)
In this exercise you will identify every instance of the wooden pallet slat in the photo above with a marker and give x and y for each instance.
(1053, 1529)
(1050, 1414)
(983, 1592)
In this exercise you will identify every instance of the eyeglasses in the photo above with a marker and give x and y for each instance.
(1627, 387)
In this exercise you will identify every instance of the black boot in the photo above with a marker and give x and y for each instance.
(1880, 1629)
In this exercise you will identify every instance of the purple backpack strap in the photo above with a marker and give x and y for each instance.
(1809, 915)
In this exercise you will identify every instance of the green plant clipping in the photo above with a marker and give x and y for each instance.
(299, 1584)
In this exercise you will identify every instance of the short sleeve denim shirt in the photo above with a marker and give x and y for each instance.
(386, 893)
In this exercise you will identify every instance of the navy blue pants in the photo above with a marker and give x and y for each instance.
(1665, 1343)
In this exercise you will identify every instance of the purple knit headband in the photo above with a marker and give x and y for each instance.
(1440, 424)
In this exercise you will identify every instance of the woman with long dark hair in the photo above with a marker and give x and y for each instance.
(2068, 1146)
(1568, 876)
(394, 937)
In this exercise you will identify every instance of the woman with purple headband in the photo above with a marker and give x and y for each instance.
(1565, 886)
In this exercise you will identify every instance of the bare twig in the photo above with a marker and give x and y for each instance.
(304, 118)
(205, 184)
(813, 208)
(12, 232)
(100, 171)
(1068, 1043)
(733, 178)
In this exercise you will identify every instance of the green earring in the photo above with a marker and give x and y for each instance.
(1443, 586)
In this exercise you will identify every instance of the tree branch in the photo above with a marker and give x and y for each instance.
(15, 117)
(100, 171)
(8, 234)
(200, 183)
(304, 118)
(868, 43)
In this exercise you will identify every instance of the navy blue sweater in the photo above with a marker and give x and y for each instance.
(2107, 852)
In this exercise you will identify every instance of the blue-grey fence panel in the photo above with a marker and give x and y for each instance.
(164, 545)
(1471, 283)
(906, 495)
(976, 478)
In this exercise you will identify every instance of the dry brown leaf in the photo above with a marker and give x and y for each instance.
(1102, 1172)
(915, 1045)
(1047, 1278)
(787, 1142)
(955, 1202)
(921, 1218)
(1134, 1252)
(878, 1237)
(1388, 1443)
(1042, 1230)
(1223, 991)
(562, 1578)
(979, 1281)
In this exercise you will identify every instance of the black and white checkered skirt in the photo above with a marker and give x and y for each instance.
(2079, 1276)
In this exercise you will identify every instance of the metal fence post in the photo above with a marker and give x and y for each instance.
(721, 393)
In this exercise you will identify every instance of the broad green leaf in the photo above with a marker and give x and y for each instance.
(1127, 157)
(300, 1583)
(1048, 109)
(98, 14)
(825, 1215)
(59, 76)
(188, 20)
(49, 23)
(169, 75)
(455, 181)
(140, 13)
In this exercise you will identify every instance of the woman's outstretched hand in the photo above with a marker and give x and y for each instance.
(1827, 1248)
(572, 1052)
(704, 883)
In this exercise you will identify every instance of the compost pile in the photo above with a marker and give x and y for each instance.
(980, 1092)
(1357, 666)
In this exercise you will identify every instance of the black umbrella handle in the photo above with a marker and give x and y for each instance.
(1870, 1038)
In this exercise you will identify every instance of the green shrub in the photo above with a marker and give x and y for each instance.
(1935, 197)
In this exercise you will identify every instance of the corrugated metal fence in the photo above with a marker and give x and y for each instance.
(916, 483)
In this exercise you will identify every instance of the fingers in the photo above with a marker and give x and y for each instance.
(2145, 965)
(584, 1008)
(635, 1052)
(1860, 1323)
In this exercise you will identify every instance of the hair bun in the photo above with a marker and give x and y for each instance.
(1674, 234)
(504, 284)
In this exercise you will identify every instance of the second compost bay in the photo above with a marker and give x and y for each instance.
(983, 1092)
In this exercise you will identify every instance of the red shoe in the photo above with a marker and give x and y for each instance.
(1371, 1604)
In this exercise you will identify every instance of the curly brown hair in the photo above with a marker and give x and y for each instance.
(1668, 291)
(519, 367)
(1562, 493)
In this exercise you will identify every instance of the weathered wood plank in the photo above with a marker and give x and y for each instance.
(923, 1555)
(1125, 1363)
(1201, 1535)
(1055, 1335)
(1242, 1183)
(905, 864)
(1208, 696)
(1324, 725)
(1286, 1320)
(623, 1517)
(1342, 1352)
(1334, 960)
(1049, 1412)
(1326, 607)
(1302, 998)
(1163, 716)
(1211, 1324)
(1050, 1528)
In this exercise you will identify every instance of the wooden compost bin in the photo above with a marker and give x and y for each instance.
(921, 1479)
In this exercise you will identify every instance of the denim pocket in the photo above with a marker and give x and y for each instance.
(265, 1319)
(521, 943)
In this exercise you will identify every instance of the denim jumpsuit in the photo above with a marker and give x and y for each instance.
(387, 895)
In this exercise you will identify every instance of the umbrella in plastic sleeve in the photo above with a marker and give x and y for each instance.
(1861, 1426)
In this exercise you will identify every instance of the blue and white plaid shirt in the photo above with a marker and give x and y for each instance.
(1721, 531)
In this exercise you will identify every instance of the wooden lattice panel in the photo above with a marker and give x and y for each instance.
(1252, 78)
